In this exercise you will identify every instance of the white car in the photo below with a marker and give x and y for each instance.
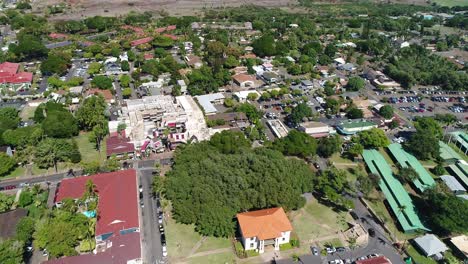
(164, 251)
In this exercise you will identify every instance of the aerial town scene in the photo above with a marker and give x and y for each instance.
(233, 132)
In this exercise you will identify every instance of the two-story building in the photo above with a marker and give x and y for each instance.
(267, 227)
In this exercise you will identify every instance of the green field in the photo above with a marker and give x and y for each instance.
(317, 220)
(222, 258)
(211, 243)
(180, 239)
(87, 149)
(451, 3)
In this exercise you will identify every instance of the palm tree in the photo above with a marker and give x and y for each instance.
(90, 190)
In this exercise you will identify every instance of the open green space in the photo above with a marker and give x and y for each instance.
(180, 239)
(417, 257)
(88, 150)
(316, 220)
(27, 113)
(332, 242)
(225, 258)
(211, 243)
(17, 172)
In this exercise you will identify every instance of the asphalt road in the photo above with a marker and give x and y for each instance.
(118, 92)
(150, 235)
(14, 183)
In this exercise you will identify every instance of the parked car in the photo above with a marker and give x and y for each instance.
(142, 204)
(373, 255)
(161, 228)
(314, 250)
(330, 250)
(140, 188)
(317, 166)
(340, 249)
(164, 251)
(371, 232)
(163, 238)
(160, 218)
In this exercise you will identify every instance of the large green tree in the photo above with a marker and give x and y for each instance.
(299, 112)
(386, 111)
(11, 252)
(102, 82)
(373, 138)
(50, 151)
(9, 119)
(329, 145)
(208, 188)
(447, 213)
(91, 112)
(355, 83)
(60, 124)
(296, 143)
(6, 201)
(7, 163)
(55, 64)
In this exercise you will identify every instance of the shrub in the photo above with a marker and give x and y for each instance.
(251, 253)
(286, 246)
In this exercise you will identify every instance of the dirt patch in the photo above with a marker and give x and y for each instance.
(84, 8)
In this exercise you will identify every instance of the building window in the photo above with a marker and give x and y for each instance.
(251, 245)
(284, 239)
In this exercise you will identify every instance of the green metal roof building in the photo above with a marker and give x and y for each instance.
(460, 170)
(407, 160)
(399, 200)
(352, 127)
(460, 139)
(449, 155)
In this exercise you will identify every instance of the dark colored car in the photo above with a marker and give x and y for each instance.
(314, 250)
(371, 232)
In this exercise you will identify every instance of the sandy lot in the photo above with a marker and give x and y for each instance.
(84, 8)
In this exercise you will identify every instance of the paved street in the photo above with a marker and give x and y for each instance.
(118, 92)
(150, 236)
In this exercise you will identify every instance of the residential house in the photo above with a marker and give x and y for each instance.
(270, 77)
(267, 227)
(347, 67)
(141, 41)
(13, 80)
(430, 246)
(117, 231)
(379, 79)
(108, 97)
(193, 61)
(244, 80)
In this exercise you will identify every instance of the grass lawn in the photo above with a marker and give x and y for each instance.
(222, 258)
(338, 159)
(180, 239)
(334, 242)
(27, 113)
(451, 3)
(87, 150)
(317, 220)
(18, 172)
(211, 243)
(418, 258)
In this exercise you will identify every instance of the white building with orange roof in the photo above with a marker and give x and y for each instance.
(264, 228)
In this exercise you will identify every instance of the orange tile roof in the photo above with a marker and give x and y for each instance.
(264, 224)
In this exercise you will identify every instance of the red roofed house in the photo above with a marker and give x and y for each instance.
(376, 260)
(137, 30)
(105, 93)
(148, 56)
(170, 36)
(119, 145)
(264, 227)
(117, 227)
(58, 36)
(244, 80)
(141, 41)
(171, 27)
(13, 80)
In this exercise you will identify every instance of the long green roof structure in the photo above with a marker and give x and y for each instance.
(447, 153)
(399, 200)
(407, 160)
(460, 170)
(460, 139)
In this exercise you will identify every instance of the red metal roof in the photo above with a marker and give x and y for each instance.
(148, 56)
(123, 248)
(118, 145)
(170, 36)
(377, 260)
(58, 36)
(105, 93)
(118, 204)
(137, 30)
(9, 74)
(141, 41)
(171, 27)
